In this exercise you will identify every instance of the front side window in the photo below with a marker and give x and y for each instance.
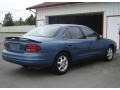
(75, 33)
(44, 31)
(89, 33)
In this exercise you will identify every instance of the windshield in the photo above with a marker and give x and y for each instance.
(44, 31)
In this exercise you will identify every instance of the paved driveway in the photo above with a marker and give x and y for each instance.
(98, 74)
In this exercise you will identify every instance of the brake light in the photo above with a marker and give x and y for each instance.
(32, 48)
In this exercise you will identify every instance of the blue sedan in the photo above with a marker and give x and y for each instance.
(57, 46)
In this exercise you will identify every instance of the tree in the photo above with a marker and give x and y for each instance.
(8, 20)
(31, 20)
(21, 22)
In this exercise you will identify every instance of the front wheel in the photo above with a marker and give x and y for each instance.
(61, 63)
(109, 54)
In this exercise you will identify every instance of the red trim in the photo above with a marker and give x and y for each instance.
(49, 4)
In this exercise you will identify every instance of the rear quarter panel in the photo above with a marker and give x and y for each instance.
(52, 48)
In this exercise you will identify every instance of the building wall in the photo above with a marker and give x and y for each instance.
(109, 9)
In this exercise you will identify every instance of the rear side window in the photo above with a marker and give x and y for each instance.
(66, 34)
(75, 33)
(89, 33)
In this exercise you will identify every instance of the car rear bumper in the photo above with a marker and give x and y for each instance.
(25, 59)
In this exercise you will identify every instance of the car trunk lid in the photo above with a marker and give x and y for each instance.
(18, 44)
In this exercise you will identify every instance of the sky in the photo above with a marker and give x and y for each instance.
(17, 8)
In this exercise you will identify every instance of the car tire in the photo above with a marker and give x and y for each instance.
(61, 64)
(109, 54)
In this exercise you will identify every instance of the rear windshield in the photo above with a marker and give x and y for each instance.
(44, 31)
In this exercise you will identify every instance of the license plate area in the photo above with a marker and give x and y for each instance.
(14, 47)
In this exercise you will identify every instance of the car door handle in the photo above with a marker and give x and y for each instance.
(70, 45)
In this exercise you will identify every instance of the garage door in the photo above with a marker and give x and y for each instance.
(92, 20)
(113, 29)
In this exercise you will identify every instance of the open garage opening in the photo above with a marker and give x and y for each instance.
(92, 20)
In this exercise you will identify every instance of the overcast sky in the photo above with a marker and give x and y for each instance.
(17, 8)
(21, 5)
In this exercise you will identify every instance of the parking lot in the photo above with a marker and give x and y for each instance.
(95, 74)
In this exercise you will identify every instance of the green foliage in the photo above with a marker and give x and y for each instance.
(28, 21)
(8, 20)
(31, 20)
(21, 22)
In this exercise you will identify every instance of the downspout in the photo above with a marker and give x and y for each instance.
(35, 12)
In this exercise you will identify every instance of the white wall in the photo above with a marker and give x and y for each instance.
(106, 7)
(114, 29)
(24, 28)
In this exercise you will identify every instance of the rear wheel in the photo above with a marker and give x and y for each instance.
(61, 63)
(109, 54)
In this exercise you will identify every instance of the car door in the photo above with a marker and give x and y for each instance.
(96, 44)
(77, 44)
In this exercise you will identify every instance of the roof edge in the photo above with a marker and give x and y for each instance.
(49, 4)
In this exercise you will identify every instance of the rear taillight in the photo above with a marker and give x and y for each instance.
(32, 48)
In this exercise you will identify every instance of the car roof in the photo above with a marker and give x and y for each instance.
(64, 25)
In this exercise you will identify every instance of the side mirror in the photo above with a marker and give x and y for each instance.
(100, 36)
